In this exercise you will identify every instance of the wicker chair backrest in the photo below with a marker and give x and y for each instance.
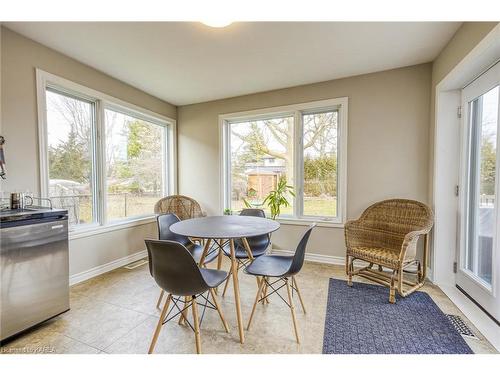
(180, 205)
(398, 216)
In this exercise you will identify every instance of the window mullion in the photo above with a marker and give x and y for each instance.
(227, 170)
(43, 136)
(100, 164)
(165, 187)
(299, 165)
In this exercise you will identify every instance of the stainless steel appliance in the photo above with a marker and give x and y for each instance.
(19, 201)
(15, 201)
(34, 267)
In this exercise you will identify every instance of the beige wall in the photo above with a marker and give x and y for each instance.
(387, 144)
(464, 40)
(19, 58)
(100, 249)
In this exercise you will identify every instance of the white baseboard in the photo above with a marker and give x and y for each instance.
(316, 258)
(99, 270)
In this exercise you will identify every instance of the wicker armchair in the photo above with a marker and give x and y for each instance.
(184, 207)
(386, 235)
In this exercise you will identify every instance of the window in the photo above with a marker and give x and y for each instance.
(103, 160)
(261, 154)
(482, 184)
(303, 144)
(70, 153)
(320, 163)
(134, 165)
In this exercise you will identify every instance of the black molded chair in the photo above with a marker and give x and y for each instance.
(283, 268)
(258, 244)
(164, 223)
(176, 272)
(164, 232)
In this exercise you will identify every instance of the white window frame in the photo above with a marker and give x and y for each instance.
(44, 81)
(475, 89)
(295, 110)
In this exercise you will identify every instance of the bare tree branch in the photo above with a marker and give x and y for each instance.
(315, 136)
(274, 131)
(261, 147)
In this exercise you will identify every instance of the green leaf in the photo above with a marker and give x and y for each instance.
(246, 203)
(278, 197)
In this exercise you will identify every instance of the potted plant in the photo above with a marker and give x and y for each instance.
(228, 211)
(278, 198)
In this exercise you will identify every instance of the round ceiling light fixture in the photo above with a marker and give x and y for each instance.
(217, 23)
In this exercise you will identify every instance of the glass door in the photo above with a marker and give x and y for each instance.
(479, 257)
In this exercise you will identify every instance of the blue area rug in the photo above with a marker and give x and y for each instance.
(360, 320)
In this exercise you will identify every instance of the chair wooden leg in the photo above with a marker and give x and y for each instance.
(183, 316)
(196, 325)
(257, 297)
(392, 291)
(227, 282)
(159, 299)
(292, 309)
(294, 283)
(236, 289)
(419, 273)
(264, 293)
(400, 282)
(205, 252)
(264, 289)
(219, 260)
(219, 310)
(159, 325)
(349, 268)
(246, 245)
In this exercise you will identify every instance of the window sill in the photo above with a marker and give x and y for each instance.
(309, 221)
(110, 227)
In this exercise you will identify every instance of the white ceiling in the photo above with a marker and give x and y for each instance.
(187, 62)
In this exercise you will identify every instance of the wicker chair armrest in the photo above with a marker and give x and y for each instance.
(351, 224)
(351, 227)
(349, 232)
(413, 236)
(410, 243)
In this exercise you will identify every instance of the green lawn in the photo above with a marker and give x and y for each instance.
(134, 206)
(117, 207)
(312, 207)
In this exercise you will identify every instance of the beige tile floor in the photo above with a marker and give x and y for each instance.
(116, 313)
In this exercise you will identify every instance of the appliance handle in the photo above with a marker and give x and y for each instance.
(42, 200)
(17, 223)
